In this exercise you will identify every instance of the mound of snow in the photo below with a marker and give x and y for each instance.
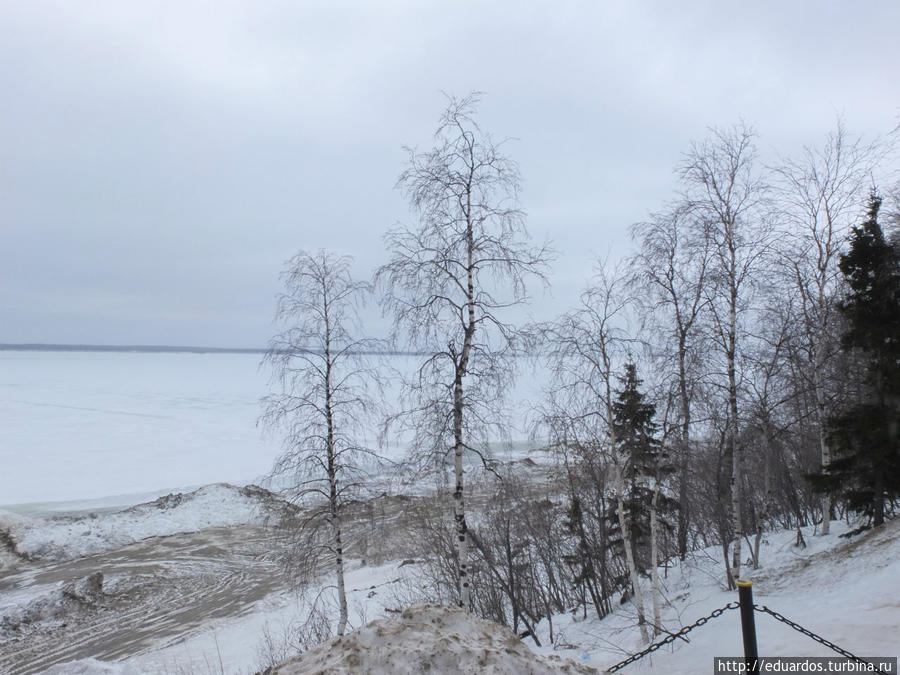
(428, 639)
(65, 537)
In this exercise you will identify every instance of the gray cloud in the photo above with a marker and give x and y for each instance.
(161, 160)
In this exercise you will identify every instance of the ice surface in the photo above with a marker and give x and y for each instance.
(82, 425)
(105, 429)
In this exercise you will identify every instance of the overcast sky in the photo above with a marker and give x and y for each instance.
(160, 160)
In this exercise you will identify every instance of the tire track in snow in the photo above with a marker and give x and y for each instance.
(182, 582)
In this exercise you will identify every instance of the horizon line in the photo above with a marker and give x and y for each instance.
(64, 347)
(77, 347)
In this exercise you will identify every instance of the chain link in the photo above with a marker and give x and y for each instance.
(671, 637)
(810, 634)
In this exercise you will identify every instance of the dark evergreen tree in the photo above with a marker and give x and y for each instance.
(865, 471)
(645, 463)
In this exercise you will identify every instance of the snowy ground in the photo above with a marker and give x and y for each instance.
(203, 593)
(193, 584)
(845, 591)
(67, 537)
(168, 568)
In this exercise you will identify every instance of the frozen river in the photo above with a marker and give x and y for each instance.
(81, 425)
(84, 425)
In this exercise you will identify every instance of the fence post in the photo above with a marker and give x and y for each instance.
(748, 624)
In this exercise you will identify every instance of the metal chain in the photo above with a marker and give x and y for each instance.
(817, 638)
(671, 637)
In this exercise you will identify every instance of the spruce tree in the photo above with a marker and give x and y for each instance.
(865, 471)
(637, 442)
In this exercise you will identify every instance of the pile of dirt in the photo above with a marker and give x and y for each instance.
(274, 505)
(428, 639)
(9, 552)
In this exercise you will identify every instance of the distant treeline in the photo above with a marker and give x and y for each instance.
(128, 348)
(37, 347)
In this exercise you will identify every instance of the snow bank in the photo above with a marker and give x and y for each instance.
(428, 639)
(66, 537)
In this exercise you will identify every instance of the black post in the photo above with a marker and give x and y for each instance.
(748, 624)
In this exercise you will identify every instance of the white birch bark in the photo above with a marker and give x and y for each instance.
(654, 561)
(334, 503)
(323, 382)
(450, 279)
(629, 554)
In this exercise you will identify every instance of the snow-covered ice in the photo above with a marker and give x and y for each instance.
(105, 429)
(86, 425)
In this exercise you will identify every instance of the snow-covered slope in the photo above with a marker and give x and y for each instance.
(845, 590)
(65, 537)
(428, 639)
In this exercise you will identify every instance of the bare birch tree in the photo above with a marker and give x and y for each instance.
(672, 264)
(448, 285)
(322, 401)
(767, 393)
(820, 194)
(724, 188)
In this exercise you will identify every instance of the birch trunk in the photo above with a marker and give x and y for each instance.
(683, 502)
(339, 568)
(823, 443)
(654, 558)
(737, 456)
(462, 543)
(629, 554)
(462, 364)
(332, 473)
(820, 331)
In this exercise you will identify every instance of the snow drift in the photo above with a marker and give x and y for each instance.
(428, 639)
(67, 537)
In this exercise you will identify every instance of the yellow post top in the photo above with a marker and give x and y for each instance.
(744, 583)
